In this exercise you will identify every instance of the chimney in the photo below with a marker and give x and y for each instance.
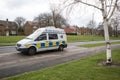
(7, 19)
(7, 23)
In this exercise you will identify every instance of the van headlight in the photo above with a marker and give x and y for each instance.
(18, 45)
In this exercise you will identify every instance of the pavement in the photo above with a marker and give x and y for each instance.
(18, 63)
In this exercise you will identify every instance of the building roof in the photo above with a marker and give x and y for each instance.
(10, 23)
(70, 29)
(32, 23)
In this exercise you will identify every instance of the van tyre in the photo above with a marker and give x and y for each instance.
(31, 51)
(61, 48)
(24, 52)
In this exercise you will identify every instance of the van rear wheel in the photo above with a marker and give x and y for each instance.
(31, 51)
(61, 48)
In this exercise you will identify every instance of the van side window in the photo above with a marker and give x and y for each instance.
(41, 37)
(61, 36)
(53, 36)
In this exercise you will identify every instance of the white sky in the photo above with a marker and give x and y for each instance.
(31, 8)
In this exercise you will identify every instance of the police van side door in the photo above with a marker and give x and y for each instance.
(53, 40)
(41, 42)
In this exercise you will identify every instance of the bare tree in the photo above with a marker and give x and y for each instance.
(58, 19)
(44, 19)
(100, 29)
(20, 21)
(107, 8)
(48, 19)
(110, 30)
(91, 24)
(115, 21)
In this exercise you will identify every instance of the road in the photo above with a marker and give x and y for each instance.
(11, 49)
(13, 64)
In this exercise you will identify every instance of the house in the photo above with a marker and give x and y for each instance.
(72, 29)
(8, 28)
(2, 29)
(30, 27)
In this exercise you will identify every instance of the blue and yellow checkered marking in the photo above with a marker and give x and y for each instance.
(47, 44)
(38, 45)
(50, 44)
(42, 44)
(57, 43)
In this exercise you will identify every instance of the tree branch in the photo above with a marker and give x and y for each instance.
(115, 4)
(87, 4)
(110, 6)
(70, 4)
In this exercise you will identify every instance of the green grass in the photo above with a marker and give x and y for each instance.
(88, 38)
(9, 40)
(7, 44)
(84, 38)
(6, 40)
(83, 69)
(97, 44)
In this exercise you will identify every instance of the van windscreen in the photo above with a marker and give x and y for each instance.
(34, 35)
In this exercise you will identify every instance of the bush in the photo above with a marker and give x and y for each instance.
(71, 33)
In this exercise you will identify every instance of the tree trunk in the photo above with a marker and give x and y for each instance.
(116, 31)
(108, 44)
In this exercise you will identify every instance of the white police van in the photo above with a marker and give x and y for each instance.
(42, 39)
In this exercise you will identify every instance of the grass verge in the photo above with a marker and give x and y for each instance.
(7, 44)
(77, 38)
(10, 40)
(97, 44)
(83, 69)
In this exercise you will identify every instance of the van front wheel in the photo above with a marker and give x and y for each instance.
(61, 48)
(31, 51)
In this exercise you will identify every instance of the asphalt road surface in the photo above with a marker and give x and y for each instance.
(11, 49)
(16, 63)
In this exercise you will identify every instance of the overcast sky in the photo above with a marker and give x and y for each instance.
(31, 8)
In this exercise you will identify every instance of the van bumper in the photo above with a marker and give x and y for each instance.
(22, 49)
(65, 45)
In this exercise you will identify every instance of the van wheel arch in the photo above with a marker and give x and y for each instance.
(61, 48)
(32, 50)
